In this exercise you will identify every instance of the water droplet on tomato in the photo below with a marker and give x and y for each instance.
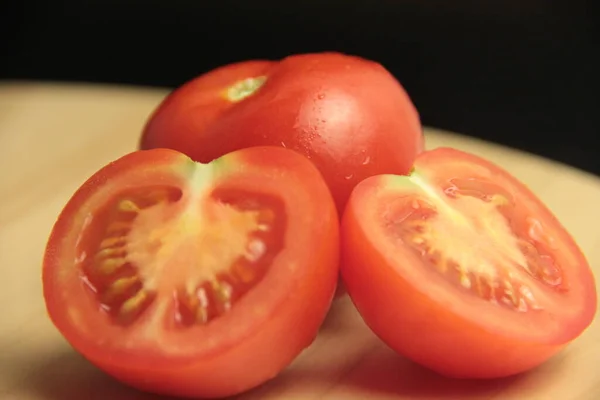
(366, 160)
(283, 144)
(348, 177)
(321, 96)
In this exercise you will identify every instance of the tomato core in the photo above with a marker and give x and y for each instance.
(506, 256)
(137, 255)
(244, 88)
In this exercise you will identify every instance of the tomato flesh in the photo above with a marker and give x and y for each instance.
(160, 270)
(489, 271)
(462, 269)
(128, 237)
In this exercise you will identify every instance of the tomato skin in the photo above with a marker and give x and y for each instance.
(349, 115)
(409, 316)
(261, 334)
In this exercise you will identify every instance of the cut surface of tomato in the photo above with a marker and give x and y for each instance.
(194, 279)
(348, 115)
(461, 268)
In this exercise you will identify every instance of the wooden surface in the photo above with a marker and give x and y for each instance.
(53, 137)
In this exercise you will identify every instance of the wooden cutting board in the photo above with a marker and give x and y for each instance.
(53, 137)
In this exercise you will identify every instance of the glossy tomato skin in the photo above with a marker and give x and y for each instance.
(261, 334)
(423, 318)
(349, 115)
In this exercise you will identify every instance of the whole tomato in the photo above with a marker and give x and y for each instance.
(349, 115)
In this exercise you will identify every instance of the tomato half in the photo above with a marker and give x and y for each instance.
(189, 279)
(348, 115)
(462, 269)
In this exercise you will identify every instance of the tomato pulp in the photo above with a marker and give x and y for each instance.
(348, 115)
(192, 279)
(462, 269)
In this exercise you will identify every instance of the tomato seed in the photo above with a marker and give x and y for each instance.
(201, 315)
(127, 205)
(465, 281)
(223, 294)
(112, 242)
(134, 302)
(131, 309)
(204, 304)
(111, 252)
(120, 288)
(111, 265)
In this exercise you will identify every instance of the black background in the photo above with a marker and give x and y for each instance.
(522, 73)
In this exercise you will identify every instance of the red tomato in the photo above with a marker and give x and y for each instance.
(349, 115)
(191, 279)
(461, 268)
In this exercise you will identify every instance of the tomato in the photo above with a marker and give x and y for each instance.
(191, 279)
(462, 269)
(348, 115)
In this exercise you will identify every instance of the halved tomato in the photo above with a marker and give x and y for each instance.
(189, 279)
(462, 269)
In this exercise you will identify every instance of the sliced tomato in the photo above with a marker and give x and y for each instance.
(189, 279)
(462, 269)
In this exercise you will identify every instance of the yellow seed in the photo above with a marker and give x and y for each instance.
(222, 290)
(119, 287)
(510, 292)
(202, 298)
(110, 252)
(134, 302)
(128, 206)
(465, 281)
(110, 265)
(499, 200)
(112, 241)
(202, 315)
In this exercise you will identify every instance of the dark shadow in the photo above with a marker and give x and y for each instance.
(345, 358)
(384, 372)
(341, 315)
(68, 376)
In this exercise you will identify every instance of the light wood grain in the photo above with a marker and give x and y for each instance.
(53, 137)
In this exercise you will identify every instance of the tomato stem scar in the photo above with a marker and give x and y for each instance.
(244, 88)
